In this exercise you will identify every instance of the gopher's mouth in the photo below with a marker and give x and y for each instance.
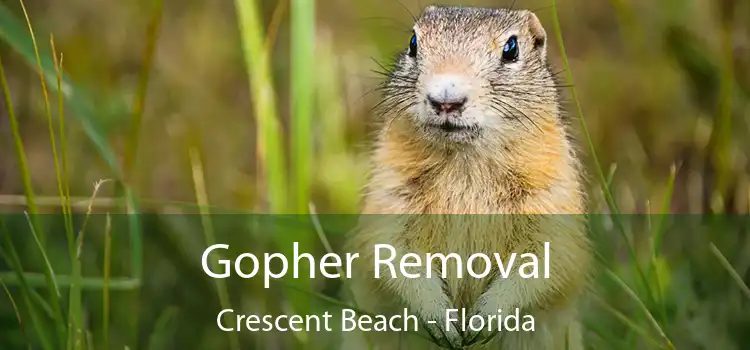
(452, 127)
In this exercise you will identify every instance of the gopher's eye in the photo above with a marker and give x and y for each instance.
(413, 46)
(510, 50)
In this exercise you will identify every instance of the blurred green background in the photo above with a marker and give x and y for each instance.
(176, 102)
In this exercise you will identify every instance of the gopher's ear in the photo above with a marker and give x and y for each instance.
(537, 32)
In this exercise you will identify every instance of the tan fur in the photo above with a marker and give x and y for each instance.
(531, 171)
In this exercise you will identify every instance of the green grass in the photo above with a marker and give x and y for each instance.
(71, 333)
(605, 188)
(208, 231)
(303, 95)
(270, 148)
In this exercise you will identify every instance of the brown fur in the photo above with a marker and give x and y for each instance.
(513, 165)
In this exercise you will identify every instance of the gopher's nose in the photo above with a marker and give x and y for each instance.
(442, 105)
(447, 93)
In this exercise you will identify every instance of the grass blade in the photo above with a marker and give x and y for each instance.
(49, 277)
(735, 276)
(23, 167)
(628, 322)
(273, 27)
(329, 249)
(47, 111)
(643, 307)
(11, 257)
(15, 310)
(270, 150)
(656, 238)
(139, 102)
(105, 288)
(303, 38)
(202, 197)
(597, 165)
(664, 214)
(77, 333)
(720, 140)
(36, 280)
(131, 151)
(302, 95)
(65, 190)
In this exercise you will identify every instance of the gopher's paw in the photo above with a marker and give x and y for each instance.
(448, 337)
(474, 334)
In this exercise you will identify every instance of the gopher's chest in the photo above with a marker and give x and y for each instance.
(448, 193)
(489, 235)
